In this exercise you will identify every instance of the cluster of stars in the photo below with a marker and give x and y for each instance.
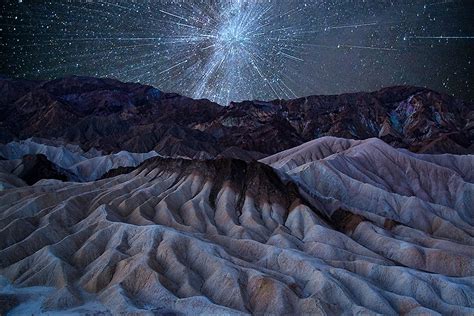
(233, 50)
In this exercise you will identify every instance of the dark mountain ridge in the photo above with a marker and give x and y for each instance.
(112, 116)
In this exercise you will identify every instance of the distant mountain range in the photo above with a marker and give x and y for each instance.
(113, 116)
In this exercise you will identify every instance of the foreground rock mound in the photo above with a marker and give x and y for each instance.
(390, 199)
(230, 237)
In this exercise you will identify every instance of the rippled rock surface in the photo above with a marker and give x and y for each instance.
(333, 226)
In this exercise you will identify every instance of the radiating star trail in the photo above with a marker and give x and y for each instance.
(441, 37)
(349, 26)
(227, 50)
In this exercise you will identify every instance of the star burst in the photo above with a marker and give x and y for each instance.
(232, 50)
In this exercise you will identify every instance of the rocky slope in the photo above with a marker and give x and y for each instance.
(75, 164)
(28, 170)
(333, 226)
(114, 116)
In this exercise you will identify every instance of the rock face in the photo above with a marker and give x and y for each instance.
(114, 116)
(30, 169)
(36, 167)
(332, 226)
(77, 165)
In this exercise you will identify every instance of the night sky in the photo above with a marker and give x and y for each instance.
(237, 50)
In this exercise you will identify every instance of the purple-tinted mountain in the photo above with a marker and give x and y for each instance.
(113, 116)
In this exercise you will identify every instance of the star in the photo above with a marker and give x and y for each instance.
(237, 50)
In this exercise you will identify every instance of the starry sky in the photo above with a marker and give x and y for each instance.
(245, 49)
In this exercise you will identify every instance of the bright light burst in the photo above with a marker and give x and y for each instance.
(232, 50)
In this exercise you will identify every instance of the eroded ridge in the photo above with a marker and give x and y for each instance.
(226, 236)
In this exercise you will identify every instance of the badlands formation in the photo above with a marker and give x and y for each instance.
(69, 161)
(333, 226)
